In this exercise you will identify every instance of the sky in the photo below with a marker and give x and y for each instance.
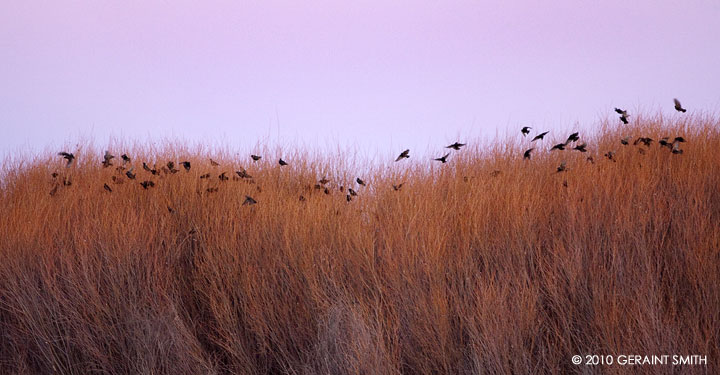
(376, 76)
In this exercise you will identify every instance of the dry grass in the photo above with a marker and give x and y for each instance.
(463, 270)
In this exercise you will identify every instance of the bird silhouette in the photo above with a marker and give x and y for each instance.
(206, 175)
(623, 115)
(256, 157)
(171, 167)
(223, 177)
(679, 139)
(539, 136)
(456, 146)
(559, 146)
(625, 141)
(186, 165)
(678, 106)
(117, 180)
(403, 155)
(147, 184)
(526, 154)
(67, 181)
(581, 147)
(130, 174)
(360, 181)
(352, 192)
(676, 148)
(125, 158)
(590, 160)
(348, 198)
(323, 181)
(145, 167)
(561, 168)
(106, 187)
(398, 186)
(214, 163)
(574, 137)
(644, 140)
(442, 159)
(327, 191)
(624, 120)
(282, 162)
(610, 155)
(663, 142)
(249, 201)
(67, 156)
(107, 159)
(525, 130)
(54, 174)
(302, 198)
(242, 173)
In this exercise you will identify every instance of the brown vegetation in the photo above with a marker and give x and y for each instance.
(487, 264)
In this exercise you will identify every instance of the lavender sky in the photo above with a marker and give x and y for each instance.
(370, 75)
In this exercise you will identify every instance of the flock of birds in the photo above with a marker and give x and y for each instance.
(170, 168)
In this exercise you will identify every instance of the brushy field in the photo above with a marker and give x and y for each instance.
(486, 264)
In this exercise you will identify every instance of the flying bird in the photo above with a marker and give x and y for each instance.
(574, 137)
(130, 174)
(525, 130)
(125, 158)
(186, 165)
(256, 157)
(67, 156)
(610, 155)
(581, 147)
(539, 136)
(442, 159)
(243, 174)
(249, 201)
(214, 163)
(644, 140)
(526, 155)
(352, 192)
(625, 141)
(323, 181)
(106, 187)
(678, 106)
(107, 159)
(663, 142)
(559, 146)
(403, 155)
(145, 167)
(679, 139)
(223, 177)
(360, 181)
(623, 115)
(561, 168)
(348, 197)
(398, 186)
(456, 146)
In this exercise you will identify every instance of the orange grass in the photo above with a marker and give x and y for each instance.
(463, 270)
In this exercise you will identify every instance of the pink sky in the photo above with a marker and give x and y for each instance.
(375, 75)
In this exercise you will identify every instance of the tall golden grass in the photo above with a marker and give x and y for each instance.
(486, 264)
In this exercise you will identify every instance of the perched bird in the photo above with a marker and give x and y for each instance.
(561, 168)
(249, 201)
(581, 147)
(67, 181)
(526, 155)
(145, 167)
(348, 197)
(610, 155)
(282, 162)
(106, 187)
(352, 192)
(147, 184)
(243, 174)
(223, 177)
(107, 159)
(130, 174)
(171, 167)
(442, 159)
(360, 181)
(625, 141)
(170, 210)
(67, 156)
(539, 136)
(456, 146)
(525, 130)
(559, 146)
(327, 191)
(398, 186)
(403, 155)
(644, 140)
(678, 106)
(125, 158)
(214, 163)
(323, 181)
(574, 137)
(256, 157)
(186, 165)
(206, 175)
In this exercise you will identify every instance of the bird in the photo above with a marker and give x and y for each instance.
(580, 147)
(282, 162)
(186, 165)
(214, 163)
(679, 139)
(624, 120)
(107, 159)
(54, 174)
(676, 148)
(559, 146)
(456, 146)
(663, 142)
(539, 136)
(574, 137)
(526, 154)
(145, 167)
(255, 157)
(125, 158)
(561, 168)
(610, 155)
(442, 159)
(302, 199)
(171, 167)
(590, 160)
(249, 201)
(352, 192)
(323, 181)
(117, 180)
(525, 130)
(67, 156)
(625, 141)
(644, 140)
(360, 181)
(678, 106)
(398, 186)
(67, 181)
(327, 191)
(106, 187)
(130, 174)
(223, 177)
(403, 155)
(623, 115)
(147, 184)
(348, 197)
(206, 175)
(243, 174)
